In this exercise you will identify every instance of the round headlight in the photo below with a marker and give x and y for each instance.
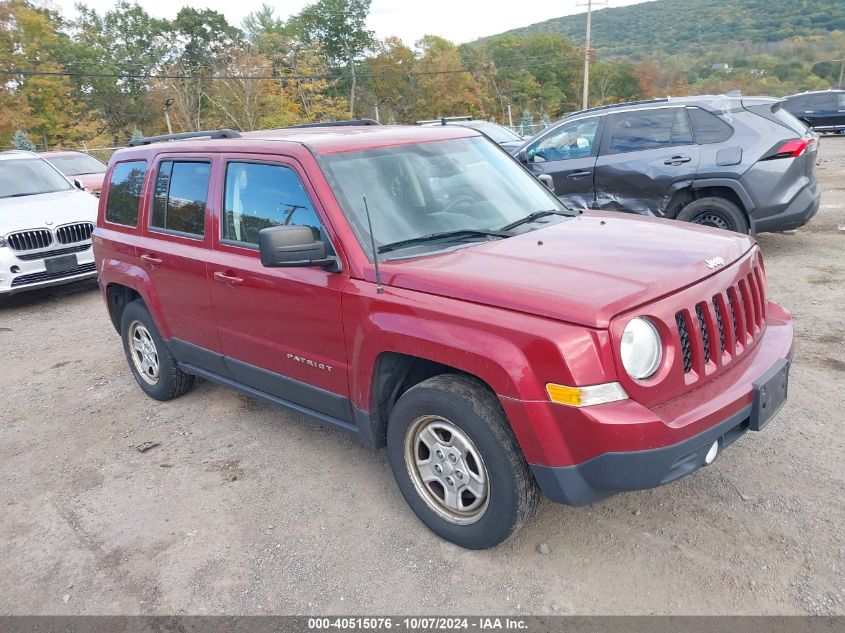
(641, 350)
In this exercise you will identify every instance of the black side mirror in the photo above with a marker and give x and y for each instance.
(289, 246)
(78, 185)
(547, 180)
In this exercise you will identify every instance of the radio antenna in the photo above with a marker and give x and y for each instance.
(379, 288)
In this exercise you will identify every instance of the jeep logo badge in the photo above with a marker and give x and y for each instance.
(715, 262)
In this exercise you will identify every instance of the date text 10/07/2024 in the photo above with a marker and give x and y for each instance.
(418, 623)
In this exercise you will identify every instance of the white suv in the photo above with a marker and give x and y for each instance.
(45, 225)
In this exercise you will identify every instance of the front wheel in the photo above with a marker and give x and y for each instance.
(458, 464)
(715, 212)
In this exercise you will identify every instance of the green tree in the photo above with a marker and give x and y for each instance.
(445, 88)
(31, 40)
(21, 141)
(340, 25)
(202, 42)
(124, 41)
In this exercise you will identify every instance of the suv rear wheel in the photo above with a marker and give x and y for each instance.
(716, 212)
(150, 360)
(458, 464)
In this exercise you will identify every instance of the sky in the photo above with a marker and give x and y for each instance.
(457, 20)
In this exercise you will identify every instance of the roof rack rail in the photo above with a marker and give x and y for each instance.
(610, 106)
(444, 120)
(213, 134)
(336, 123)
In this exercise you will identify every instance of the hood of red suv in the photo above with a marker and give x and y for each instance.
(584, 270)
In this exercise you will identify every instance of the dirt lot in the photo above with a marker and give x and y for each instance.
(244, 508)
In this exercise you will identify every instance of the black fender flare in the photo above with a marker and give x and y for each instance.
(728, 183)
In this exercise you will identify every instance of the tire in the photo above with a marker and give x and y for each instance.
(459, 417)
(167, 381)
(716, 212)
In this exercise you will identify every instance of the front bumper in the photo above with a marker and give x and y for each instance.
(30, 274)
(644, 448)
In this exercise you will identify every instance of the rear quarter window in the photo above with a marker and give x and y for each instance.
(708, 128)
(124, 196)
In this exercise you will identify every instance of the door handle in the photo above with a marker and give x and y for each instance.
(677, 160)
(579, 174)
(228, 278)
(151, 259)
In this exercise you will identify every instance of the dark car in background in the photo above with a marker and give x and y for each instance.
(823, 111)
(736, 163)
(79, 166)
(508, 139)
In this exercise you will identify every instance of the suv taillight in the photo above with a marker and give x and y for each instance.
(792, 149)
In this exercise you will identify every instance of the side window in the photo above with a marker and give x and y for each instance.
(571, 140)
(127, 180)
(708, 127)
(181, 191)
(798, 104)
(648, 129)
(258, 196)
(826, 101)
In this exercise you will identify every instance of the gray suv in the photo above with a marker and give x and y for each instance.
(736, 163)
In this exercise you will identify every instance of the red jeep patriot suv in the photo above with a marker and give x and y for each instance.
(419, 288)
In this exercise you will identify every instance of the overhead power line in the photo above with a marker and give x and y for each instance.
(409, 73)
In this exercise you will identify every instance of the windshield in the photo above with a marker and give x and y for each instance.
(29, 176)
(77, 165)
(494, 131)
(424, 189)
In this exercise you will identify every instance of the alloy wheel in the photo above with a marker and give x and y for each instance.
(144, 353)
(447, 470)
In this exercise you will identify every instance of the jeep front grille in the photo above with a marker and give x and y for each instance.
(739, 310)
(30, 240)
(71, 233)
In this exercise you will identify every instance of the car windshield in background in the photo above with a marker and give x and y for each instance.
(78, 165)
(494, 131)
(466, 188)
(28, 177)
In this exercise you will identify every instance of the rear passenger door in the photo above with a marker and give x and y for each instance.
(645, 157)
(281, 328)
(175, 247)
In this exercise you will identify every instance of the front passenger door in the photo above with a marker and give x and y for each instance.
(568, 154)
(280, 328)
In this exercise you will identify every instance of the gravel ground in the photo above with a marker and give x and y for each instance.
(245, 509)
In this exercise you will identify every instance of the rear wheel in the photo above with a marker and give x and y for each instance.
(153, 366)
(458, 464)
(715, 212)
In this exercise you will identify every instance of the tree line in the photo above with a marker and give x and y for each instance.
(101, 78)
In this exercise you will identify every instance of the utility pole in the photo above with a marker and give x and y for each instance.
(841, 70)
(167, 104)
(585, 102)
(586, 99)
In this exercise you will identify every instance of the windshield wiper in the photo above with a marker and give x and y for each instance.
(531, 217)
(444, 235)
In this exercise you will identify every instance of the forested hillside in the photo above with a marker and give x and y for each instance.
(697, 26)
